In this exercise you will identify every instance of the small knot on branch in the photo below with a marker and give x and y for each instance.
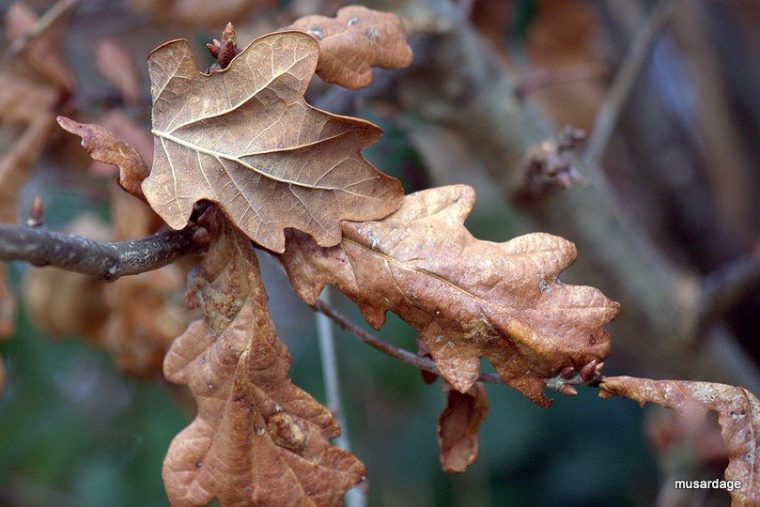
(546, 166)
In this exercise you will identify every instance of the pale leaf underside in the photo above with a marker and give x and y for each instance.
(468, 298)
(245, 138)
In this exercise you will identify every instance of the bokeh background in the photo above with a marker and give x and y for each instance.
(681, 165)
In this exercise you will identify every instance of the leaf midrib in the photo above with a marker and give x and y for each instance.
(220, 155)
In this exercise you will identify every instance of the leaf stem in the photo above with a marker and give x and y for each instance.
(43, 247)
(420, 362)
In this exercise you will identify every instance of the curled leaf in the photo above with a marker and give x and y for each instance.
(738, 415)
(104, 146)
(354, 41)
(468, 298)
(257, 438)
(459, 427)
(245, 138)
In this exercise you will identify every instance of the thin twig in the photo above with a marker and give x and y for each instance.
(355, 497)
(422, 363)
(606, 119)
(109, 261)
(427, 364)
(726, 286)
(43, 24)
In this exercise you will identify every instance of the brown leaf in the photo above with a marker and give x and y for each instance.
(468, 298)
(459, 427)
(257, 438)
(354, 41)
(115, 62)
(198, 12)
(40, 53)
(104, 146)
(245, 138)
(738, 415)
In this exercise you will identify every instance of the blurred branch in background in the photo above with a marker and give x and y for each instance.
(458, 85)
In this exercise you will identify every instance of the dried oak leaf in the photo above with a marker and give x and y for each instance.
(468, 298)
(245, 138)
(105, 146)
(40, 53)
(459, 427)
(354, 41)
(738, 415)
(257, 438)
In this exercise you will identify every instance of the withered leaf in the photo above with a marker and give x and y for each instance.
(354, 41)
(132, 133)
(738, 415)
(468, 298)
(104, 146)
(459, 427)
(245, 138)
(257, 438)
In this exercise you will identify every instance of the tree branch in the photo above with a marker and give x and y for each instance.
(109, 261)
(726, 286)
(454, 67)
(617, 97)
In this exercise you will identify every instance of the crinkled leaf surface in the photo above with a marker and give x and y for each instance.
(459, 427)
(354, 41)
(738, 415)
(257, 438)
(468, 298)
(245, 138)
